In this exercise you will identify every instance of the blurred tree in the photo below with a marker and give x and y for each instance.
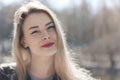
(6, 21)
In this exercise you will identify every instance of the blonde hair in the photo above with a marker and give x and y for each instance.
(64, 65)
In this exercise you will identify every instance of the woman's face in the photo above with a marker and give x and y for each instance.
(40, 34)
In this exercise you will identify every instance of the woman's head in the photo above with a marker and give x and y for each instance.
(36, 28)
(37, 32)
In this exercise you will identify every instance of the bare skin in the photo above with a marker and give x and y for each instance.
(39, 30)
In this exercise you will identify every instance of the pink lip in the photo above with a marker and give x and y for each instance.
(48, 45)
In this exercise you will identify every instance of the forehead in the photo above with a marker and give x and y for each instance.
(34, 19)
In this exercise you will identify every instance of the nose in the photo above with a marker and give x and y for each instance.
(45, 35)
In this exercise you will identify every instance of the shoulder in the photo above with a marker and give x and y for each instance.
(6, 71)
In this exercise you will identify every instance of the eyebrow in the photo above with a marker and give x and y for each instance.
(33, 27)
(49, 23)
(38, 26)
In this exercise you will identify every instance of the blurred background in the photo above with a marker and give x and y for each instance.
(92, 29)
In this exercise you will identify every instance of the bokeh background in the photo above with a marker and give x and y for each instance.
(92, 29)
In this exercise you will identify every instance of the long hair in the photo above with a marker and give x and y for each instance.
(64, 65)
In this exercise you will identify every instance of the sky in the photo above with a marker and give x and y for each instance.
(64, 4)
(7, 2)
(61, 4)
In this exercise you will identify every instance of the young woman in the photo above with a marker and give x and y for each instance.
(39, 48)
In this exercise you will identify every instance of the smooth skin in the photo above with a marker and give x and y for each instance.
(38, 30)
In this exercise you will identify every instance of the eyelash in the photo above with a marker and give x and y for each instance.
(51, 27)
(47, 29)
(34, 32)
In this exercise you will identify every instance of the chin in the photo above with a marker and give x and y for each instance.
(52, 52)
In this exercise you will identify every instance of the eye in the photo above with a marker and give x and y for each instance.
(51, 27)
(35, 32)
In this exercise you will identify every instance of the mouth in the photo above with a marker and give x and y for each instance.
(47, 45)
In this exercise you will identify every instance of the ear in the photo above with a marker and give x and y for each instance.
(23, 42)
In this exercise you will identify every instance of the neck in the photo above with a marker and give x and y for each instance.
(42, 67)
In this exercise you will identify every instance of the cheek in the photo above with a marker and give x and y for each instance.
(31, 41)
(53, 34)
(33, 45)
(56, 36)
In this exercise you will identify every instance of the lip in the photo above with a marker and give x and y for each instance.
(47, 45)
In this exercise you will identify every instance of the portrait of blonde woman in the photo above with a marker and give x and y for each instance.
(39, 47)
